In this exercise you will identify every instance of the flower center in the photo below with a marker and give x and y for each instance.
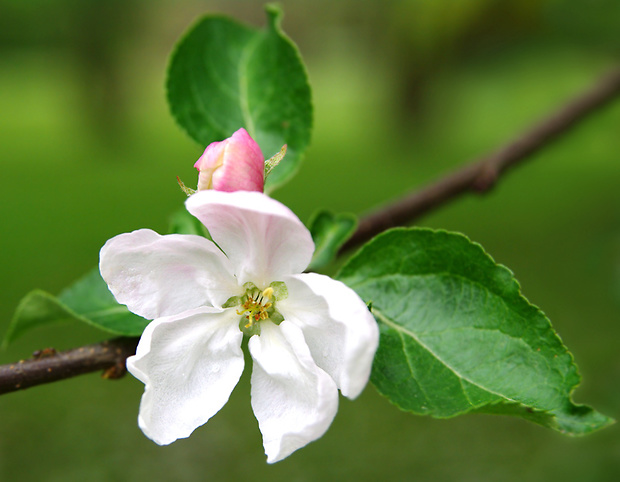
(255, 306)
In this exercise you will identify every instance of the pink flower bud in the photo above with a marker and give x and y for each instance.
(234, 164)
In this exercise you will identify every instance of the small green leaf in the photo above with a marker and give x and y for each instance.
(329, 232)
(182, 222)
(88, 300)
(224, 75)
(457, 336)
(187, 190)
(273, 161)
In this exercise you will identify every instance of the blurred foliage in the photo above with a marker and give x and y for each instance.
(404, 90)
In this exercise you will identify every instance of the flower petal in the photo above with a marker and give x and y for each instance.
(339, 329)
(189, 364)
(293, 400)
(165, 275)
(263, 238)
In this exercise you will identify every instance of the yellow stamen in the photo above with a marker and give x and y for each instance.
(256, 305)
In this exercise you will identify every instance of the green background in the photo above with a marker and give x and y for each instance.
(404, 91)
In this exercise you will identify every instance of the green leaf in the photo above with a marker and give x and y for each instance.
(182, 222)
(329, 232)
(457, 336)
(88, 300)
(225, 75)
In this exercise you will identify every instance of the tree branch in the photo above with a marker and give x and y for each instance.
(49, 366)
(480, 176)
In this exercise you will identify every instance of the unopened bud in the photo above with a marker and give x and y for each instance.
(234, 164)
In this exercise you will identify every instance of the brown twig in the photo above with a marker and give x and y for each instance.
(481, 175)
(48, 365)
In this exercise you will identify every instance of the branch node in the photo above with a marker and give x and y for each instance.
(115, 371)
(486, 178)
(44, 353)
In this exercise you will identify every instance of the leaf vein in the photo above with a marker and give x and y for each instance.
(410, 365)
(403, 330)
(243, 83)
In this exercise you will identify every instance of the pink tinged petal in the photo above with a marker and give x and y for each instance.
(234, 164)
(189, 363)
(340, 331)
(211, 160)
(263, 239)
(293, 400)
(165, 275)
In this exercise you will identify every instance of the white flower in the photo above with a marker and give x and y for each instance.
(309, 335)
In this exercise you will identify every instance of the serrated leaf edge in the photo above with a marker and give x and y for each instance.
(400, 329)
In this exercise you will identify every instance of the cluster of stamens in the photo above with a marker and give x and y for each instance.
(256, 306)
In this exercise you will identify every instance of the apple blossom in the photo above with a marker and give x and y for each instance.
(234, 164)
(309, 335)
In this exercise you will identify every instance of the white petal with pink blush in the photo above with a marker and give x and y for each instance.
(310, 335)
